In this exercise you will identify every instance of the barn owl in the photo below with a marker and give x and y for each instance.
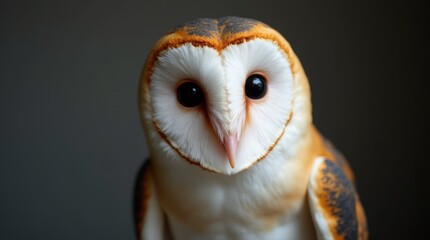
(226, 109)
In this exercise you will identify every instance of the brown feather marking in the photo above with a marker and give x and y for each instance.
(142, 195)
(327, 150)
(340, 159)
(338, 201)
(363, 233)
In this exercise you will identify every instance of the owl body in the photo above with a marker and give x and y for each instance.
(226, 109)
(205, 205)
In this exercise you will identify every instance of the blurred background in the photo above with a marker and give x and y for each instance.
(71, 139)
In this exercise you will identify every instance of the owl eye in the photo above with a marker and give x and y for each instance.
(255, 86)
(189, 94)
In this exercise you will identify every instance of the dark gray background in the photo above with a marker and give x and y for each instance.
(71, 140)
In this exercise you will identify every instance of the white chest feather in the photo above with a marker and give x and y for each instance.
(267, 201)
(234, 222)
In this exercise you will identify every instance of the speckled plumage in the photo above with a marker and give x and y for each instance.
(287, 183)
(208, 27)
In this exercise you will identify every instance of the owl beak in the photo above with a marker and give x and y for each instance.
(230, 145)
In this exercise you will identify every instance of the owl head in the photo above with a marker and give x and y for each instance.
(223, 94)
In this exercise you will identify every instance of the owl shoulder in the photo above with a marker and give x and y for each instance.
(335, 206)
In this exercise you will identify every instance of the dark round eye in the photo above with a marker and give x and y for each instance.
(255, 86)
(189, 94)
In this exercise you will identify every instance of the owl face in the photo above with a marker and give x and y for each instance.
(219, 95)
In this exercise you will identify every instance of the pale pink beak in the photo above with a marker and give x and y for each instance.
(230, 145)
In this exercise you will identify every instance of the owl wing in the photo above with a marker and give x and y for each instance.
(148, 216)
(334, 203)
